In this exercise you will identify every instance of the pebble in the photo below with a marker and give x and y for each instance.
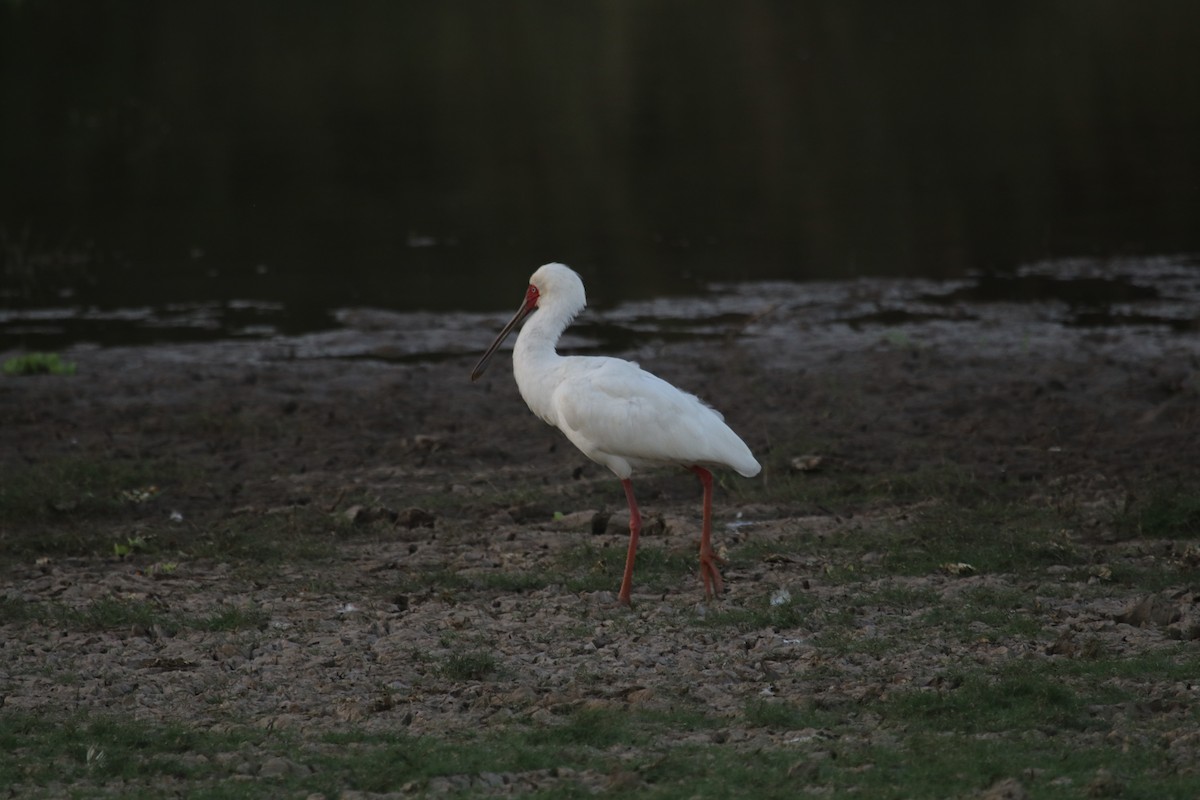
(280, 767)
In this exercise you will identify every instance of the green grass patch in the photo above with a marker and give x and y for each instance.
(584, 739)
(452, 582)
(473, 666)
(38, 750)
(593, 728)
(38, 364)
(782, 715)
(1011, 723)
(587, 567)
(110, 613)
(1016, 699)
(1163, 514)
(582, 568)
(935, 765)
(984, 611)
(512, 582)
(759, 613)
(1156, 666)
(298, 534)
(991, 538)
(78, 488)
(229, 618)
(1033, 694)
(103, 614)
(442, 579)
(828, 489)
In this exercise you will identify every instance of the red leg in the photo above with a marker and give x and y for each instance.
(708, 559)
(635, 528)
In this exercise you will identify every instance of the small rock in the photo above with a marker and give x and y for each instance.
(1149, 611)
(416, 518)
(807, 771)
(1105, 784)
(530, 512)
(576, 520)
(1064, 645)
(623, 781)
(280, 767)
(1187, 629)
(807, 463)
(427, 443)
(493, 780)
(596, 704)
(543, 716)
(350, 711)
(1007, 789)
(225, 651)
(656, 526)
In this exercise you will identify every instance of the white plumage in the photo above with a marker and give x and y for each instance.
(616, 413)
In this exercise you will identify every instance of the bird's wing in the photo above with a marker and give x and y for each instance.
(610, 406)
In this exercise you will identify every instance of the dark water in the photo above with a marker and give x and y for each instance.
(261, 163)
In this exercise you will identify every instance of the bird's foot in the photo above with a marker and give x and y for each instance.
(713, 585)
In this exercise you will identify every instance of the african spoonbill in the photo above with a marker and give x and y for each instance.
(618, 414)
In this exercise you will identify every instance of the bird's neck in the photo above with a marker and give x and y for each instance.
(535, 358)
(539, 337)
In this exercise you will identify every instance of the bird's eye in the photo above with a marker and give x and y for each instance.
(531, 295)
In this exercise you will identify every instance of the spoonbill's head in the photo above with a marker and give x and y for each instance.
(552, 285)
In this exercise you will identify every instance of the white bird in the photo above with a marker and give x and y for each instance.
(618, 414)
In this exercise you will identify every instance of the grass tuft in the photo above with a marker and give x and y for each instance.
(38, 364)
(781, 715)
(469, 666)
(1016, 699)
(597, 728)
(1165, 514)
(77, 488)
(232, 618)
(112, 613)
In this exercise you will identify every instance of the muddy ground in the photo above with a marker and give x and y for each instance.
(428, 484)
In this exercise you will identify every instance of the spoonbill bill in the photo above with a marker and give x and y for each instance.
(618, 414)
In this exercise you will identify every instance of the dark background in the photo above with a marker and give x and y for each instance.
(432, 154)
